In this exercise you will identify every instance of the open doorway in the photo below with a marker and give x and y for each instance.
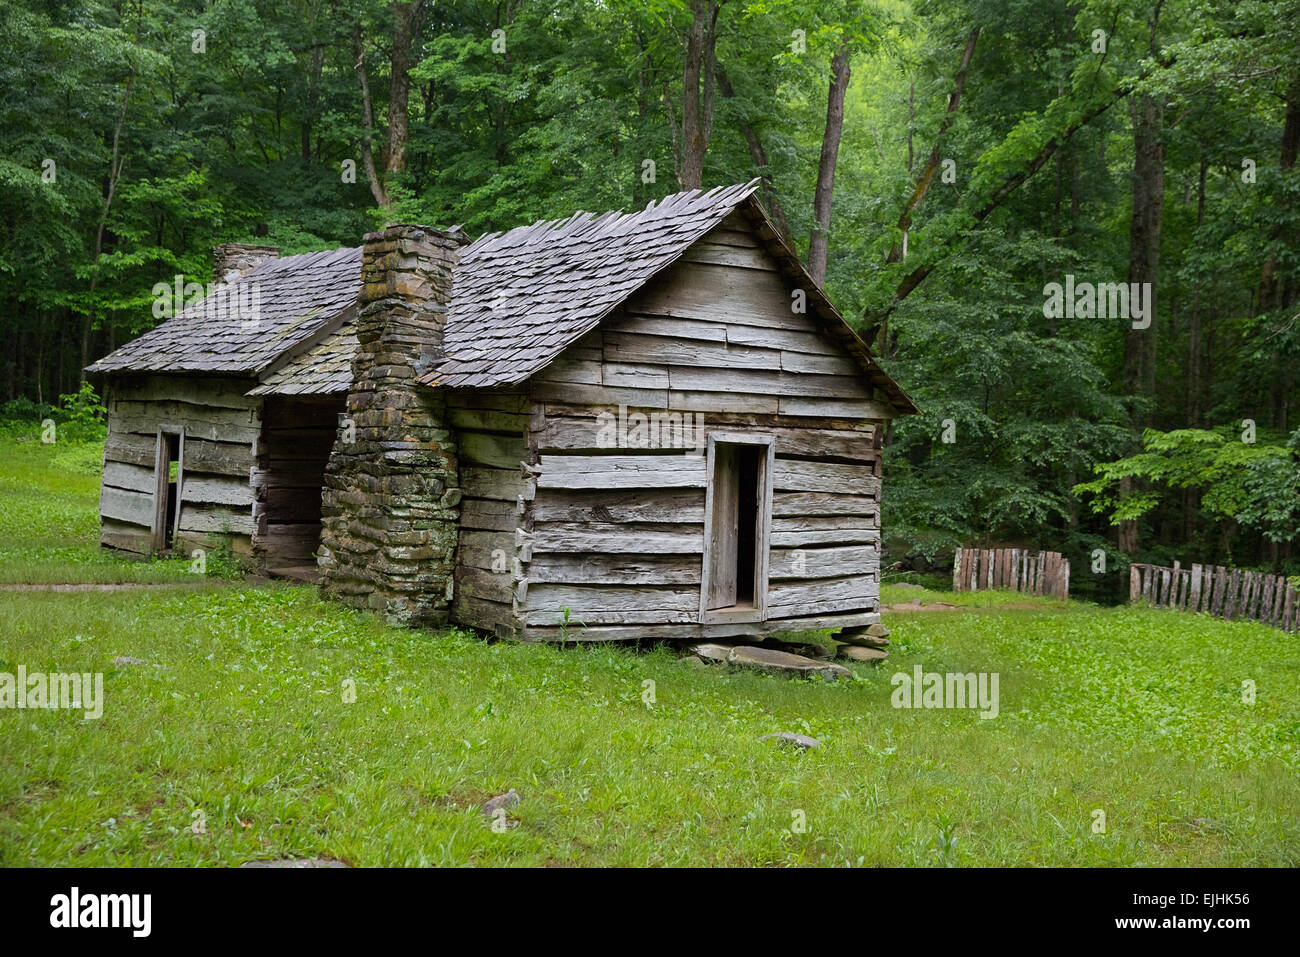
(167, 488)
(737, 515)
(297, 437)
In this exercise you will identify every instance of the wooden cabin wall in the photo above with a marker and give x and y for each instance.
(490, 427)
(221, 430)
(616, 535)
(297, 436)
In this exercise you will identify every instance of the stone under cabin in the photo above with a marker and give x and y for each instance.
(607, 427)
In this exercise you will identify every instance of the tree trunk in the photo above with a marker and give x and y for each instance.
(1144, 267)
(399, 94)
(761, 162)
(699, 71)
(368, 123)
(823, 196)
(1276, 294)
(115, 162)
(1144, 242)
(921, 184)
(1194, 332)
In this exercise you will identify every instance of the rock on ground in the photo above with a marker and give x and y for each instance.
(789, 739)
(856, 653)
(501, 801)
(769, 660)
(869, 636)
(295, 862)
(805, 648)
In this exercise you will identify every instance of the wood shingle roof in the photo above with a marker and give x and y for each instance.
(519, 298)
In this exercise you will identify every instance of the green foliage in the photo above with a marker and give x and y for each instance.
(250, 139)
(1256, 484)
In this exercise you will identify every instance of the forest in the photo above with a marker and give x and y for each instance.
(1069, 228)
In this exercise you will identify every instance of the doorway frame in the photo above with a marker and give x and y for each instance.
(162, 502)
(762, 531)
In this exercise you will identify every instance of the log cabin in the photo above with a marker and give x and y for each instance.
(619, 426)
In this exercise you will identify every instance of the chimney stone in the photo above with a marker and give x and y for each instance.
(232, 260)
(391, 503)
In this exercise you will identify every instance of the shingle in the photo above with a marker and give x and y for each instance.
(518, 299)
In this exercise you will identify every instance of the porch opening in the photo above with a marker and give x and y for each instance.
(293, 450)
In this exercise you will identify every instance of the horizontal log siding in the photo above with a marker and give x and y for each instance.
(616, 535)
(490, 427)
(221, 425)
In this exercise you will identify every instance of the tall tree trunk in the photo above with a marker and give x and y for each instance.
(368, 123)
(1144, 244)
(115, 163)
(393, 156)
(399, 92)
(644, 90)
(761, 162)
(313, 99)
(823, 196)
(922, 182)
(1144, 260)
(1194, 331)
(699, 82)
(1144, 267)
(1275, 293)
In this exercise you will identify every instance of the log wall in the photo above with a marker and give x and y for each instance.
(221, 427)
(616, 534)
(490, 427)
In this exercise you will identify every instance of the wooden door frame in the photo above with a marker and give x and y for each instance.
(162, 477)
(762, 533)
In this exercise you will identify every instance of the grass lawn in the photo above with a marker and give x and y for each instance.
(238, 721)
(49, 523)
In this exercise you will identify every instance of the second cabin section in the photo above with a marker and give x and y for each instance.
(705, 463)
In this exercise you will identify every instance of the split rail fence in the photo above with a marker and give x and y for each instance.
(1229, 593)
(1017, 569)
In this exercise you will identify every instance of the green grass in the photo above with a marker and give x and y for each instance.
(1134, 712)
(894, 595)
(49, 517)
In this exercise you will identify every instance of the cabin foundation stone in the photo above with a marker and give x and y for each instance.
(390, 506)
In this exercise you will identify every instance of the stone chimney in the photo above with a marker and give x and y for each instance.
(232, 260)
(391, 504)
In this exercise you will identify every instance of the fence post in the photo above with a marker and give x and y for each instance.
(1234, 595)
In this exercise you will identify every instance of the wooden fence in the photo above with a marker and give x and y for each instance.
(1017, 569)
(1223, 592)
